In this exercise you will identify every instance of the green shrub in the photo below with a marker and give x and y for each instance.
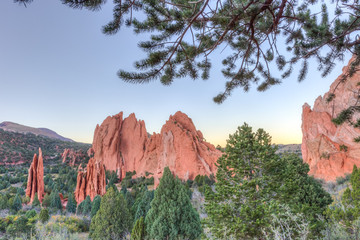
(85, 206)
(138, 231)
(95, 205)
(46, 200)
(113, 220)
(44, 215)
(17, 203)
(341, 180)
(36, 201)
(55, 201)
(30, 213)
(71, 204)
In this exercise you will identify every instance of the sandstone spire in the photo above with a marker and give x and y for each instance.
(35, 183)
(90, 182)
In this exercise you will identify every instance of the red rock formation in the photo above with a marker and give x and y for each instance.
(180, 147)
(35, 182)
(63, 200)
(124, 145)
(119, 144)
(71, 156)
(91, 181)
(322, 139)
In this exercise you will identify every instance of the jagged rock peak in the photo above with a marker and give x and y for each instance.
(91, 181)
(123, 145)
(35, 183)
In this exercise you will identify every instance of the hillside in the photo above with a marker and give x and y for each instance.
(289, 148)
(15, 127)
(16, 148)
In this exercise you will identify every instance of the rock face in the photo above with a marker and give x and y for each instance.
(330, 150)
(72, 156)
(90, 181)
(35, 183)
(180, 147)
(119, 144)
(124, 145)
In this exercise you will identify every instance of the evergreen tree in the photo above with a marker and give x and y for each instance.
(129, 199)
(236, 209)
(71, 204)
(253, 181)
(30, 214)
(182, 36)
(171, 215)
(113, 220)
(20, 191)
(55, 201)
(3, 201)
(46, 200)
(85, 206)
(44, 215)
(36, 201)
(348, 213)
(123, 189)
(17, 204)
(301, 192)
(138, 231)
(251, 29)
(144, 204)
(95, 205)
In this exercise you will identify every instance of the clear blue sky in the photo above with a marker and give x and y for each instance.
(57, 70)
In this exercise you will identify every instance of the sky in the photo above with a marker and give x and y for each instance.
(58, 70)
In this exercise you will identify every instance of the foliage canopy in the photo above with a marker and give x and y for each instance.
(253, 181)
(258, 35)
(113, 219)
(171, 215)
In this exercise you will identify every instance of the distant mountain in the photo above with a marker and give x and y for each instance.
(17, 148)
(15, 127)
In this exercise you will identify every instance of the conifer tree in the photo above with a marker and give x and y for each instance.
(71, 204)
(237, 208)
(95, 205)
(291, 185)
(113, 220)
(171, 215)
(138, 231)
(349, 212)
(85, 206)
(184, 34)
(20, 191)
(253, 181)
(55, 201)
(36, 201)
(144, 204)
(44, 215)
(46, 200)
(17, 204)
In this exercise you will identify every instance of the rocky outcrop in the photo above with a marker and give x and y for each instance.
(35, 183)
(63, 200)
(120, 143)
(72, 156)
(180, 147)
(90, 181)
(330, 150)
(123, 145)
